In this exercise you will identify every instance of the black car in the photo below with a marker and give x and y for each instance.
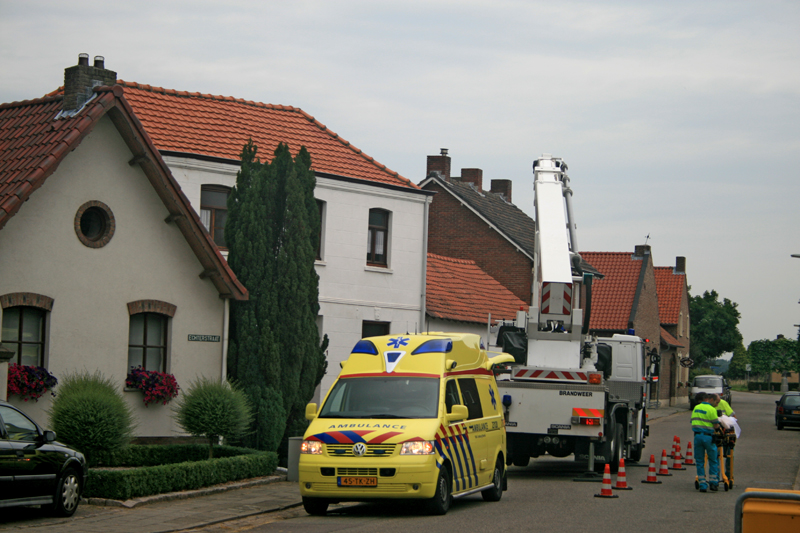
(34, 468)
(787, 410)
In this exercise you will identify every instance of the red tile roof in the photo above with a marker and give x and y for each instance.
(612, 296)
(670, 287)
(219, 126)
(33, 144)
(457, 289)
(667, 338)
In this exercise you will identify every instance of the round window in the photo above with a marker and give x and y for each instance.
(94, 224)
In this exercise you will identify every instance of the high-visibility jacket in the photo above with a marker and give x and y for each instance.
(725, 408)
(703, 418)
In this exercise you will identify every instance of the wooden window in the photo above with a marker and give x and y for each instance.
(214, 211)
(378, 237)
(23, 334)
(147, 341)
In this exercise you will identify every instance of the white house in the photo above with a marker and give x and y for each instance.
(104, 264)
(372, 251)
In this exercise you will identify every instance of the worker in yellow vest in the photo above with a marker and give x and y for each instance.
(704, 422)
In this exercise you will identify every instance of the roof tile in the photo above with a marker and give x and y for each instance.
(457, 289)
(612, 296)
(670, 287)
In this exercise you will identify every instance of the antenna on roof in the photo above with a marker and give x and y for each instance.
(646, 239)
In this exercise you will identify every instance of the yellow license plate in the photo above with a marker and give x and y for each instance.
(796, 412)
(358, 481)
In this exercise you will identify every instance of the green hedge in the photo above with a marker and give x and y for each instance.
(149, 480)
(161, 454)
(776, 386)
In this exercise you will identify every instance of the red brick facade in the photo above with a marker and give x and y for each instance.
(454, 230)
(151, 306)
(27, 299)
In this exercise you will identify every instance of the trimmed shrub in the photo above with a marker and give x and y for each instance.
(137, 482)
(212, 409)
(90, 414)
(161, 454)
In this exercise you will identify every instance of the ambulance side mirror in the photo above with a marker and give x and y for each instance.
(311, 411)
(457, 412)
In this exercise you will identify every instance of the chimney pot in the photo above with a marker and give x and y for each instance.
(81, 79)
(440, 164)
(443, 151)
(83, 59)
(99, 62)
(680, 265)
(640, 250)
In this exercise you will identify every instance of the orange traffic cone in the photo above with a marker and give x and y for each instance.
(622, 481)
(605, 492)
(663, 469)
(651, 472)
(689, 455)
(675, 441)
(676, 461)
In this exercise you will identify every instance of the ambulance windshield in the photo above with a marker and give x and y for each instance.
(383, 397)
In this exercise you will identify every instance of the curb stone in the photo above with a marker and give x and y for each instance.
(183, 495)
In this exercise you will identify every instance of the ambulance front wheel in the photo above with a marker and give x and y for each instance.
(440, 503)
(315, 506)
(493, 494)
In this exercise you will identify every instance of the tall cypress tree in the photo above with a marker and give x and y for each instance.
(271, 231)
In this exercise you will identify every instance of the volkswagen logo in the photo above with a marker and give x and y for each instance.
(359, 449)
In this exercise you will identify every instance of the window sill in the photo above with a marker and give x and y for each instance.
(319, 262)
(380, 270)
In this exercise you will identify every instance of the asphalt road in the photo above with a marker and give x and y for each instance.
(543, 496)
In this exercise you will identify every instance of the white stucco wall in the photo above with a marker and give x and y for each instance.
(350, 291)
(145, 259)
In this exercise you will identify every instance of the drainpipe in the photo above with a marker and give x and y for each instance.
(226, 320)
(424, 264)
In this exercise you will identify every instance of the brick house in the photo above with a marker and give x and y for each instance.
(104, 263)
(466, 222)
(461, 297)
(372, 248)
(673, 312)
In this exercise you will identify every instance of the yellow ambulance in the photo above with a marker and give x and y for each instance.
(410, 416)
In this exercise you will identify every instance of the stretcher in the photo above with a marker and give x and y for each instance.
(725, 439)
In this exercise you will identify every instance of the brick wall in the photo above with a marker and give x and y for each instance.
(455, 231)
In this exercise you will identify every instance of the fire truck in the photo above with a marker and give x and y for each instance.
(568, 392)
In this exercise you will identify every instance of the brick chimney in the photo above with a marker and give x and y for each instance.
(640, 250)
(503, 188)
(440, 164)
(680, 265)
(82, 78)
(473, 176)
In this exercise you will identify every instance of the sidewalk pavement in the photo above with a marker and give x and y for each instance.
(185, 510)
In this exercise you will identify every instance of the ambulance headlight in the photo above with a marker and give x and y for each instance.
(311, 446)
(417, 447)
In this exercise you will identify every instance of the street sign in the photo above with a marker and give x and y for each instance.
(748, 367)
(204, 338)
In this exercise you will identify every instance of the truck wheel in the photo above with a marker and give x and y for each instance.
(440, 503)
(494, 494)
(315, 506)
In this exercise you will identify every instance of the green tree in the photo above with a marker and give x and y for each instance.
(271, 231)
(714, 327)
(738, 367)
(779, 355)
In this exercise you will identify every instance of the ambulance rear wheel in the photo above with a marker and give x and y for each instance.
(440, 503)
(494, 494)
(315, 506)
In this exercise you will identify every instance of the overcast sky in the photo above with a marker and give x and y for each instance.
(677, 119)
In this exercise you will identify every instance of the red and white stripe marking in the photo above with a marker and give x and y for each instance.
(552, 375)
(556, 298)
